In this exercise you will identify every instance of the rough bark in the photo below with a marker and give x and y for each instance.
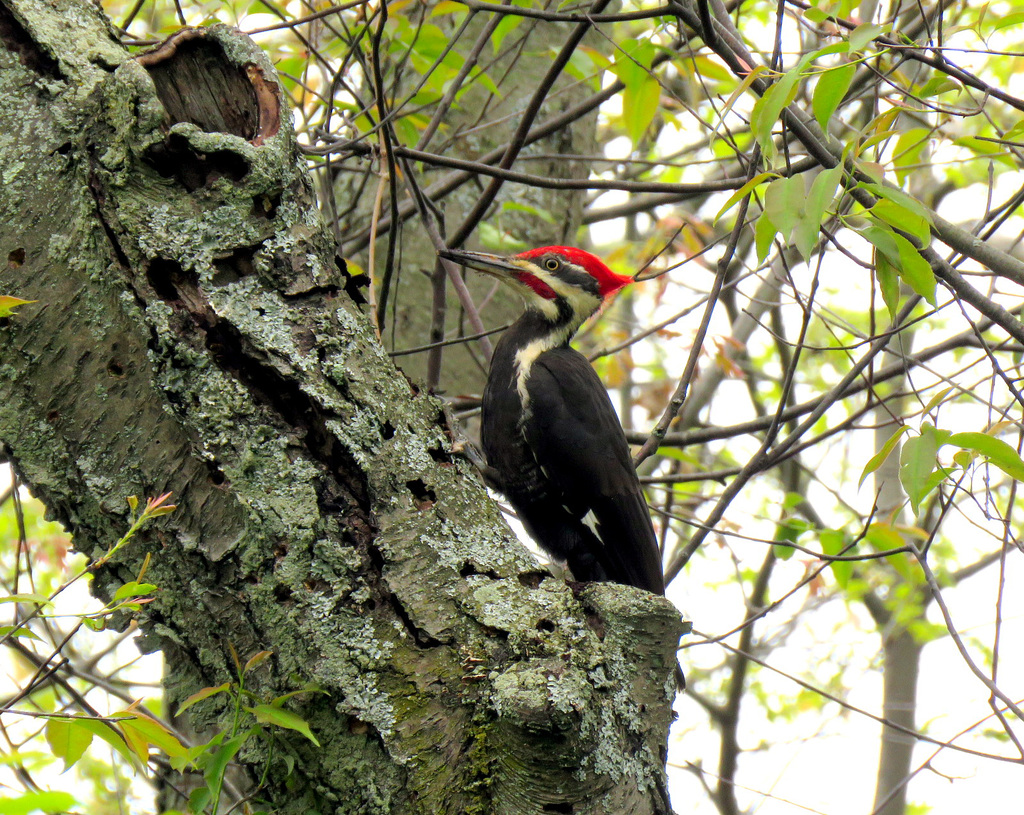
(193, 334)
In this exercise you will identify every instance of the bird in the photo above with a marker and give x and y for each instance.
(553, 444)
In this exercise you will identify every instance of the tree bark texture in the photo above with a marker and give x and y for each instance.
(193, 334)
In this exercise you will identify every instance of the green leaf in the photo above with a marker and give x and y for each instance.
(633, 61)
(980, 147)
(508, 24)
(876, 460)
(907, 151)
(199, 695)
(764, 234)
(783, 552)
(111, 737)
(309, 688)
(639, 107)
(816, 204)
(924, 631)
(1000, 21)
(791, 500)
(29, 759)
(19, 631)
(430, 43)
(863, 34)
(823, 192)
(135, 739)
(152, 732)
(790, 529)
(941, 436)
(67, 739)
(710, 69)
(38, 802)
(406, 130)
(899, 197)
(826, 51)
(1015, 132)
(997, 451)
(484, 79)
(267, 714)
(963, 458)
(642, 92)
(899, 217)
(883, 536)
(905, 257)
(37, 599)
(888, 283)
(769, 107)
(937, 477)
(218, 763)
(916, 270)
(587, 65)
(529, 209)
(198, 799)
(8, 304)
(760, 178)
(134, 589)
(739, 91)
(884, 240)
(936, 85)
(498, 241)
(830, 90)
(198, 755)
(936, 399)
(832, 543)
(917, 463)
(805, 235)
(446, 7)
(784, 202)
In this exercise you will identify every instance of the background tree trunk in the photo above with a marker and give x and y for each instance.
(901, 653)
(193, 334)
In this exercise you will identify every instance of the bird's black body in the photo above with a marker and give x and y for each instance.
(564, 462)
(553, 442)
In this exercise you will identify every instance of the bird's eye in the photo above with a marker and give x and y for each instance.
(551, 264)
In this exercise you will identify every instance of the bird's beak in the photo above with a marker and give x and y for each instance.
(481, 261)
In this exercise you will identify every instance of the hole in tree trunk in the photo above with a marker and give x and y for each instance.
(198, 83)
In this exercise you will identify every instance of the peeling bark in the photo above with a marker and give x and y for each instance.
(193, 334)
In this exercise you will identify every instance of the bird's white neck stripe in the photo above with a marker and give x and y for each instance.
(527, 355)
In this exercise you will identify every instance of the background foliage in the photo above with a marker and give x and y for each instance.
(821, 372)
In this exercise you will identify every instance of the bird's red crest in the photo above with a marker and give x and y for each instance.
(607, 280)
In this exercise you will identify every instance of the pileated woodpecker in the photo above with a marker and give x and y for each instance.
(553, 443)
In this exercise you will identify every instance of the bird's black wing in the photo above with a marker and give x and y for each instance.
(578, 441)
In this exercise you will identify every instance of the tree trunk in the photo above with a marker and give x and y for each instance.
(901, 653)
(192, 333)
(902, 662)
